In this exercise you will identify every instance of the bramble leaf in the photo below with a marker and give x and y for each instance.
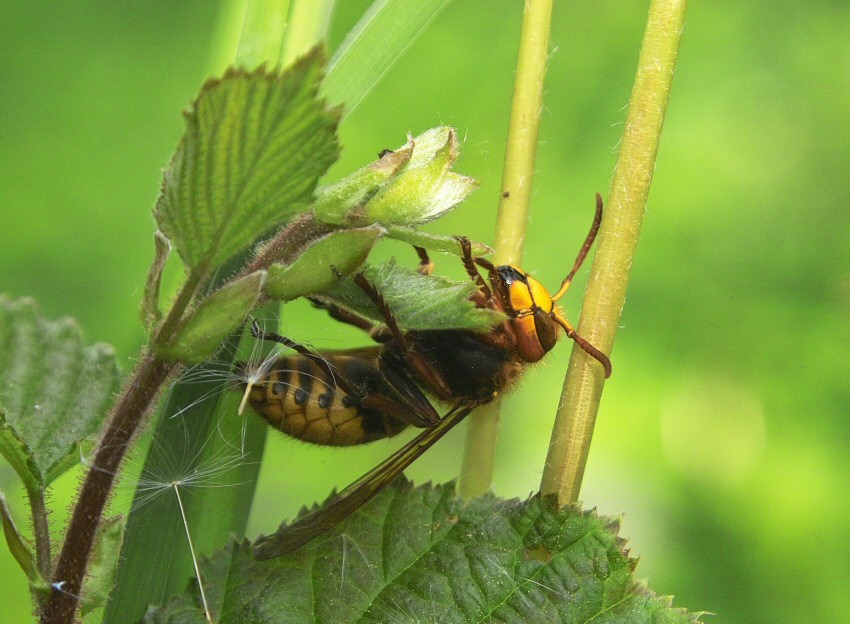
(419, 554)
(417, 301)
(19, 548)
(55, 391)
(254, 148)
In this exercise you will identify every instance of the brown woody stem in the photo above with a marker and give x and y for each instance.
(286, 244)
(130, 409)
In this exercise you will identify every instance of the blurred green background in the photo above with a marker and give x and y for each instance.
(723, 433)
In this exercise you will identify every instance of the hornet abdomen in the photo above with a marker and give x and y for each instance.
(300, 399)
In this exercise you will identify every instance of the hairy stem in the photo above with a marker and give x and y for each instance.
(132, 405)
(152, 566)
(517, 178)
(286, 244)
(41, 531)
(612, 263)
(136, 399)
(262, 35)
(175, 318)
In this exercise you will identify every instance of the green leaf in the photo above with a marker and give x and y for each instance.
(19, 548)
(254, 148)
(373, 46)
(16, 451)
(417, 301)
(434, 242)
(149, 310)
(179, 611)
(103, 563)
(411, 553)
(55, 391)
(84, 449)
(318, 267)
(216, 318)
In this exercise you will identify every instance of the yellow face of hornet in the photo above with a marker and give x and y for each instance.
(531, 310)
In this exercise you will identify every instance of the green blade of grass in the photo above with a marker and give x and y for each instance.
(381, 36)
(308, 24)
(264, 29)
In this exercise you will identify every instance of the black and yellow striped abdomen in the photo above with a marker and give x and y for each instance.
(298, 398)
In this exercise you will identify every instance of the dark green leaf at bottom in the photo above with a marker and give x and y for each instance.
(423, 554)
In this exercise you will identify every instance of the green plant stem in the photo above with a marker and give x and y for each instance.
(175, 318)
(375, 43)
(612, 263)
(286, 243)
(41, 533)
(517, 179)
(41, 530)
